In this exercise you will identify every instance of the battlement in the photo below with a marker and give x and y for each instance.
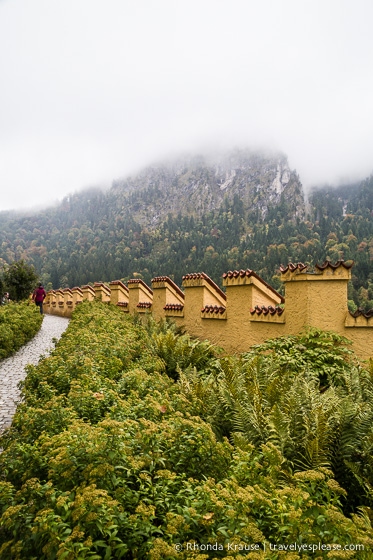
(168, 298)
(299, 272)
(245, 277)
(249, 312)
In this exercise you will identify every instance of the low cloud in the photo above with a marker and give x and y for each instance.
(95, 91)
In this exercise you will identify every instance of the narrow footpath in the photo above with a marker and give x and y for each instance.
(12, 369)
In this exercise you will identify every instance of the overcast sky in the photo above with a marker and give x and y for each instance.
(92, 90)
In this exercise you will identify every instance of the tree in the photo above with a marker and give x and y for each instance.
(20, 279)
(2, 285)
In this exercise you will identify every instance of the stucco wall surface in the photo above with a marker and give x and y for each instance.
(250, 311)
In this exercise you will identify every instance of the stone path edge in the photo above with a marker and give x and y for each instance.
(12, 369)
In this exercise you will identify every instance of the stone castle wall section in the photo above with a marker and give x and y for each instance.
(249, 312)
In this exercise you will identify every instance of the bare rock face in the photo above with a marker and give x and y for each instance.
(282, 177)
(196, 185)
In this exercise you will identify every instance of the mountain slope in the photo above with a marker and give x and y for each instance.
(197, 185)
(238, 210)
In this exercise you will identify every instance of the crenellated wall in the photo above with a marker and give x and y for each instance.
(249, 312)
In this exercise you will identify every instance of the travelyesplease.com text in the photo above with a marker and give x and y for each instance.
(249, 547)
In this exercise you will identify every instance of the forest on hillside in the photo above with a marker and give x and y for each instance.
(93, 236)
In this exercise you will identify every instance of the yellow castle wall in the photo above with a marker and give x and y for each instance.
(317, 300)
(230, 320)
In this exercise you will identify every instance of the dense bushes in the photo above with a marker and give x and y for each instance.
(19, 322)
(108, 457)
(304, 394)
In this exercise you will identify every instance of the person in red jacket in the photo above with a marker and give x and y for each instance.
(39, 296)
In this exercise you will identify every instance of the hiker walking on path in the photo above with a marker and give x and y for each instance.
(39, 296)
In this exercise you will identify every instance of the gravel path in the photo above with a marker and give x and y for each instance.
(12, 370)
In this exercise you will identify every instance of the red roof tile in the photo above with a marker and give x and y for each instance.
(368, 314)
(173, 307)
(300, 266)
(259, 310)
(213, 309)
(326, 264)
(144, 305)
(237, 273)
(292, 267)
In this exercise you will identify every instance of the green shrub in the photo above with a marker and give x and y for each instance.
(19, 322)
(261, 398)
(323, 354)
(109, 457)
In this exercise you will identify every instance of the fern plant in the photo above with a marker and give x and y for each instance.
(314, 418)
(177, 350)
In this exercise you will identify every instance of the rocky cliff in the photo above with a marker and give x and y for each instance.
(201, 184)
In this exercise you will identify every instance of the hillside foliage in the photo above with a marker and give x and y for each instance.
(129, 443)
(173, 221)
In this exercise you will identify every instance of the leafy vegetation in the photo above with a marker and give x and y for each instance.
(323, 355)
(19, 279)
(304, 394)
(19, 322)
(110, 457)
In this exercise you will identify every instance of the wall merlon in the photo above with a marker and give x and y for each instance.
(102, 291)
(168, 298)
(53, 303)
(118, 284)
(245, 277)
(77, 295)
(88, 293)
(50, 295)
(139, 293)
(164, 282)
(327, 271)
(211, 295)
(136, 284)
(60, 298)
(48, 301)
(119, 294)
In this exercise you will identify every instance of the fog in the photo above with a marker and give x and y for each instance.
(93, 90)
